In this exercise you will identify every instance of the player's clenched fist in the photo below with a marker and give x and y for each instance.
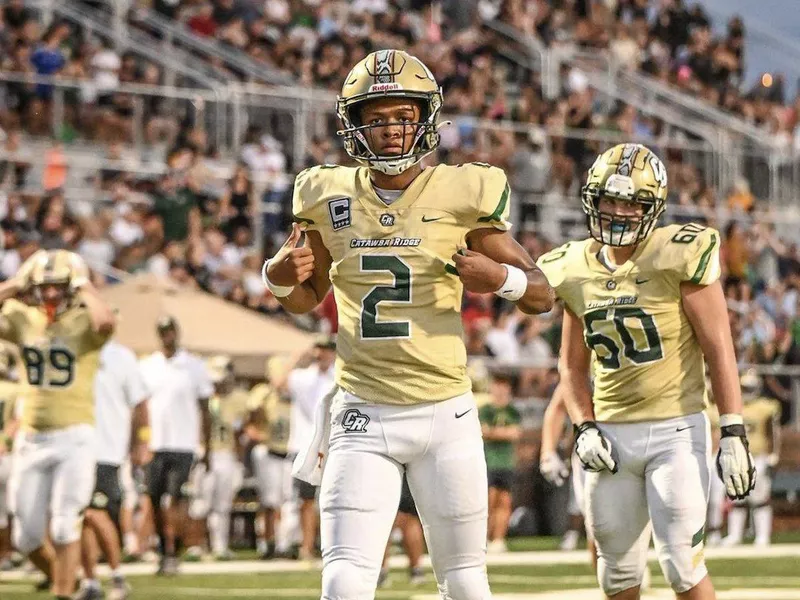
(291, 266)
(479, 273)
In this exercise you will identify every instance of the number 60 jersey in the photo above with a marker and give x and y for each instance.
(646, 360)
(60, 360)
(397, 292)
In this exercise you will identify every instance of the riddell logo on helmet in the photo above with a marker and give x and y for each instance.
(385, 87)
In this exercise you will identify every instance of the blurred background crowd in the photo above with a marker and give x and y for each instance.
(138, 183)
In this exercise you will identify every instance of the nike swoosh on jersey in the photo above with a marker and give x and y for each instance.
(640, 281)
(458, 416)
(426, 220)
(684, 428)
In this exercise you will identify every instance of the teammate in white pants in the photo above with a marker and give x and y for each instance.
(399, 243)
(220, 483)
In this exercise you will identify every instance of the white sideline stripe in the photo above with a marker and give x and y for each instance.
(555, 557)
(658, 594)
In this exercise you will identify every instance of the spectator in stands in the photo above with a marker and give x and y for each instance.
(500, 425)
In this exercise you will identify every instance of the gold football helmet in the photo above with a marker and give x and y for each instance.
(54, 275)
(382, 74)
(631, 173)
(220, 367)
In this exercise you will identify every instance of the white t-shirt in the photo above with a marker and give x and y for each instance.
(118, 389)
(175, 385)
(306, 387)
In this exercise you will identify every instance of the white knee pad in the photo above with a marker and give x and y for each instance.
(683, 570)
(343, 579)
(615, 577)
(470, 583)
(65, 528)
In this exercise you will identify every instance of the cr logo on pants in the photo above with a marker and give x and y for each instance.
(354, 421)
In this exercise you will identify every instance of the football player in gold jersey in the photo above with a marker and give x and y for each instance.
(400, 242)
(219, 484)
(762, 420)
(643, 308)
(268, 426)
(54, 460)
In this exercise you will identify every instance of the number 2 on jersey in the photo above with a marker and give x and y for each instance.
(399, 292)
(623, 319)
(60, 360)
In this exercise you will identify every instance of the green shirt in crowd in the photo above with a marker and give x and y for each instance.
(499, 455)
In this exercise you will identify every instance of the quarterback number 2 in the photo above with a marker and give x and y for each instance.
(399, 292)
(60, 360)
(621, 321)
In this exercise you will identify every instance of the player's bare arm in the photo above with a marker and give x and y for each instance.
(573, 369)
(140, 434)
(302, 271)
(707, 312)
(591, 447)
(551, 465)
(100, 313)
(481, 269)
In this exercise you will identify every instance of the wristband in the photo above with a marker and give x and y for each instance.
(279, 291)
(515, 285)
(730, 419)
(143, 433)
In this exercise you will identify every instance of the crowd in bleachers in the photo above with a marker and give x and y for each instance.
(197, 228)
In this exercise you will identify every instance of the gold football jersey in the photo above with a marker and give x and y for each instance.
(397, 291)
(646, 360)
(60, 358)
(278, 412)
(760, 416)
(228, 414)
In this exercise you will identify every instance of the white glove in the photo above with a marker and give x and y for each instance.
(734, 462)
(553, 469)
(593, 449)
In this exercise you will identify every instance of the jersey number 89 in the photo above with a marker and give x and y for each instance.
(629, 323)
(41, 360)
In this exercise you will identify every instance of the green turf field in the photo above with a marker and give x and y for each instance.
(771, 574)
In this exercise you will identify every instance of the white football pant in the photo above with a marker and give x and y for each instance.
(214, 494)
(577, 497)
(52, 477)
(663, 477)
(440, 447)
(274, 477)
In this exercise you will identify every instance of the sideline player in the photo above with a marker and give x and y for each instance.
(400, 243)
(121, 413)
(643, 308)
(59, 338)
(269, 425)
(762, 420)
(221, 482)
